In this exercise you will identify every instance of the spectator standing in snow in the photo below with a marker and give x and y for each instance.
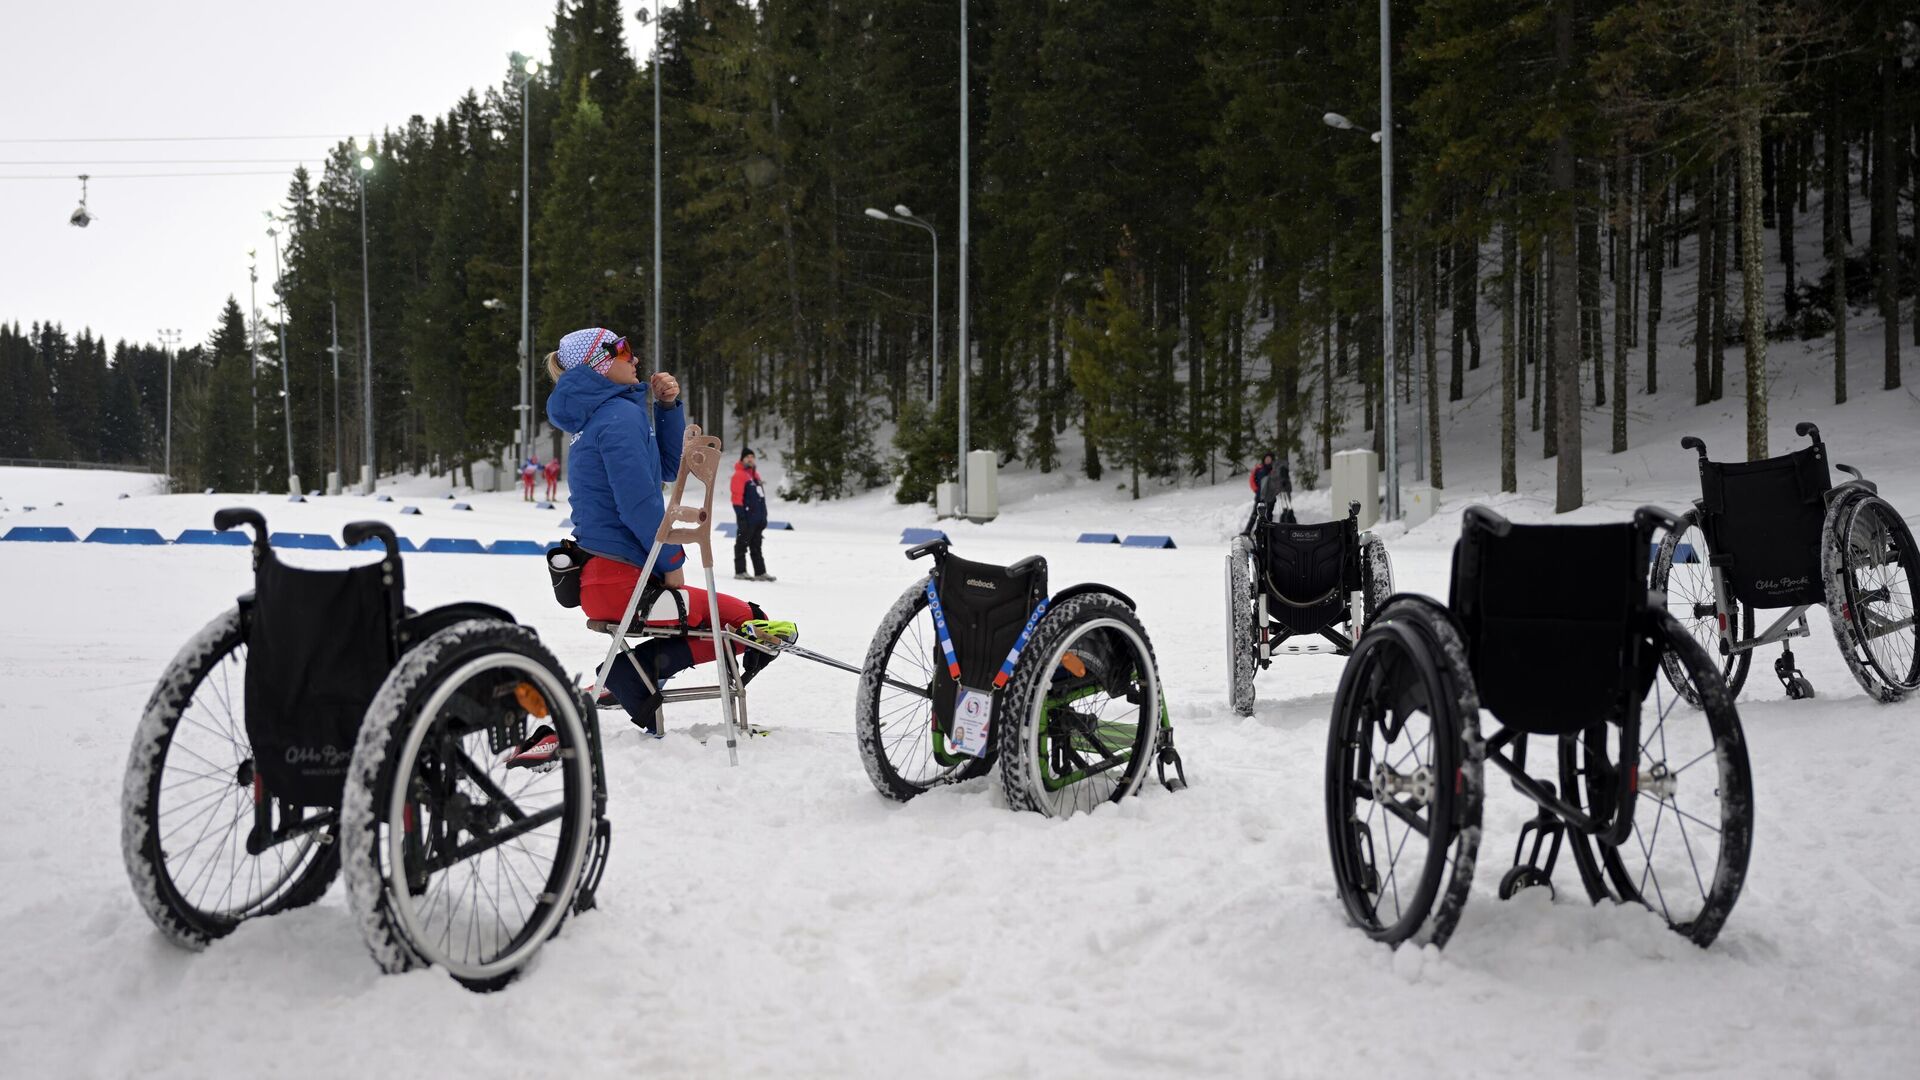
(553, 478)
(1259, 473)
(750, 518)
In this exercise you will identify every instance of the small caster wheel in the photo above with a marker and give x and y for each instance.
(1523, 877)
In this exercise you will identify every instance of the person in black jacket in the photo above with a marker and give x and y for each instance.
(750, 518)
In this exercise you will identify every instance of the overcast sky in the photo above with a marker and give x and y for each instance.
(168, 252)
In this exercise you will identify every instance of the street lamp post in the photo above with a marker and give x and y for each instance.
(529, 67)
(339, 464)
(367, 471)
(907, 217)
(253, 367)
(286, 393)
(1384, 137)
(169, 345)
(964, 351)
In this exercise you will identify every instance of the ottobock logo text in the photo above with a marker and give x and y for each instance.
(978, 584)
(1778, 584)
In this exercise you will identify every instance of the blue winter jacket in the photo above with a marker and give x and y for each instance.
(618, 464)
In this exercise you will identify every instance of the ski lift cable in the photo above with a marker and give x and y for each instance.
(179, 138)
(167, 161)
(68, 177)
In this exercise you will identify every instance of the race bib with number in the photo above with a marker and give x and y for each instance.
(972, 720)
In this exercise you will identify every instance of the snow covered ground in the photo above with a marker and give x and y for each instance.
(781, 918)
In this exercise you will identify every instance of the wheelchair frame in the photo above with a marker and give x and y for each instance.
(1363, 555)
(1419, 627)
(342, 830)
(1792, 623)
(1037, 623)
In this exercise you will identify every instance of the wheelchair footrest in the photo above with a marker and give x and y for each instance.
(1301, 648)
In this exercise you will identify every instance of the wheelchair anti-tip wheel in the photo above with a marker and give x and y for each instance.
(901, 746)
(1682, 571)
(1693, 811)
(1241, 632)
(1081, 713)
(451, 858)
(1404, 777)
(188, 803)
(1868, 557)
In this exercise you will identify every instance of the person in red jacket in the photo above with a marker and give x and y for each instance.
(553, 477)
(750, 519)
(528, 470)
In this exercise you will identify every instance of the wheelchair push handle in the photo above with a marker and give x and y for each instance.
(1696, 444)
(1806, 430)
(235, 516)
(935, 548)
(358, 532)
(1649, 518)
(1353, 509)
(1479, 516)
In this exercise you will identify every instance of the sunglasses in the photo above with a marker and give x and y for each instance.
(617, 348)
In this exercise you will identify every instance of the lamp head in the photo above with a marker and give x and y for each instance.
(877, 215)
(901, 209)
(366, 163)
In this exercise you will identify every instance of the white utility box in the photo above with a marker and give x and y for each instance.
(983, 485)
(1356, 478)
(1417, 504)
(946, 499)
(485, 476)
(333, 483)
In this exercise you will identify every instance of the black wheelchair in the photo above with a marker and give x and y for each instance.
(1551, 629)
(1288, 583)
(321, 726)
(976, 663)
(1778, 533)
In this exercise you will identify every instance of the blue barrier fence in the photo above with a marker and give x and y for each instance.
(1160, 542)
(1682, 553)
(124, 536)
(1098, 538)
(921, 536)
(209, 536)
(44, 534)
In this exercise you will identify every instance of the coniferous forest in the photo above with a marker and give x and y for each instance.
(1175, 259)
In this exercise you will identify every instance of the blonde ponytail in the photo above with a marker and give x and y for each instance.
(553, 366)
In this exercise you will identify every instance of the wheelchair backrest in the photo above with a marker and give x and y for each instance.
(985, 607)
(1764, 518)
(1307, 571)
(319, 644)
(1554, 617)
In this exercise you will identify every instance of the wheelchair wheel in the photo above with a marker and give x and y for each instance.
(1688, 583)
(1693, 803)
(1869, 560)
(187, 803)
(904, 751)
(1376, 572)
(451, 858)
(1078, 719)
(1240, 629)
(1404, 777)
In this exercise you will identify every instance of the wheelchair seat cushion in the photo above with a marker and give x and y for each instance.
(1551, 614)
(319, 644)
(1767, 517)
(985, 607)
(1307, 571)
